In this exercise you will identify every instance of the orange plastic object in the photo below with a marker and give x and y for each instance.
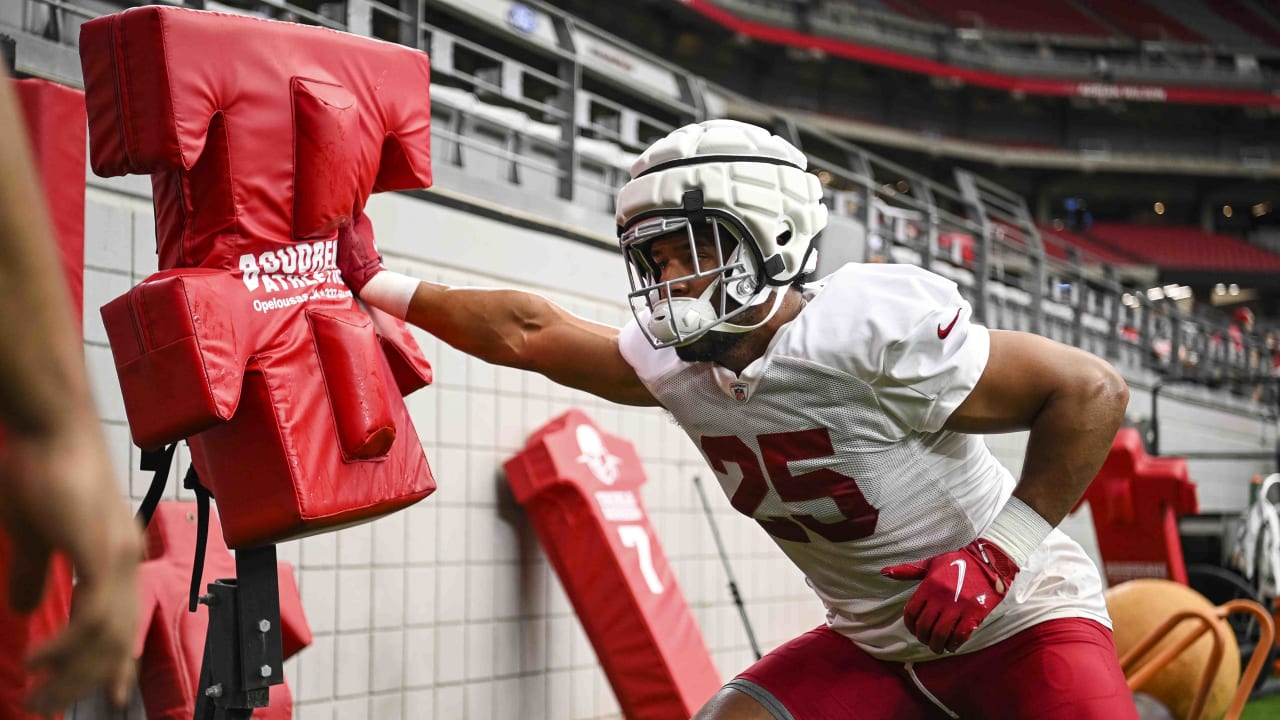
(1140, 669)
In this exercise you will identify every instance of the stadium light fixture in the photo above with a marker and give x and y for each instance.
(1226, 211)
(1173, 291)
(1159, 208)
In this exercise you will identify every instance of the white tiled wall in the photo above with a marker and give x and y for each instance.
(449, 609)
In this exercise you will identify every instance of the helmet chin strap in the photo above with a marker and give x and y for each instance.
(779, 293)
(674, 317)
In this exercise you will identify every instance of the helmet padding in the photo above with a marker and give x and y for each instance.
(735, 176)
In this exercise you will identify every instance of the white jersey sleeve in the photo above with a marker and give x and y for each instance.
(921, 347)
(651, 365)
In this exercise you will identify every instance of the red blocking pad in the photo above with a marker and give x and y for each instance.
(170, 641)
(54, 120)
(580, 487)
(55, 123)
(247, 342)
(1136, 500)
(19, 634)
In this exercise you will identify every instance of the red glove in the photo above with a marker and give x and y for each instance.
(957, 591)
(358, 257)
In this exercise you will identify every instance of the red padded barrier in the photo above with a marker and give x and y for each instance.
(170, 641)
(1136, 500)
(247, 342)
(54, 119)
(580, 487)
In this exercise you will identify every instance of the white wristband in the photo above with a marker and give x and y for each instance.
(390, 292)
(1018, 530)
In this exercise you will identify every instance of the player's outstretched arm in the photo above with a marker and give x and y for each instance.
(57, 488)
(1073, 403)
(505, 327)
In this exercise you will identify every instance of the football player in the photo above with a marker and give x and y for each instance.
(845, 417)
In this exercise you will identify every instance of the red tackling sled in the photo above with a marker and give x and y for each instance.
(262, 138)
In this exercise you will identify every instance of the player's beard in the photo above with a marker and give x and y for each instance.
(710, 347)
(717, 345)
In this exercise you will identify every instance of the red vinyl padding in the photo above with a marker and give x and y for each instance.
(1136, 500)
(581, 487)
(262, 138)
(54, 120)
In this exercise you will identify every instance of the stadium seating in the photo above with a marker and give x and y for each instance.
(1185, 247)
(1234, 24)
(1214, 21)
(1039, 16)
(1097, 251)
(1142, 21)
(910, 9)
(1243, 16)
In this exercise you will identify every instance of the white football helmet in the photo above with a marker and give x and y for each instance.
(749, 190)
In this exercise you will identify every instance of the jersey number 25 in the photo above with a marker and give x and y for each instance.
(858, 516)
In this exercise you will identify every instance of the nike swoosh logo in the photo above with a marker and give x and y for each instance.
(960, 580)
(943, 332)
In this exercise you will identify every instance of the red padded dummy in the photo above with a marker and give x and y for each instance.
(262, 138)
(171, 640)
(580, 486)
(55, 125)
(1136, 500)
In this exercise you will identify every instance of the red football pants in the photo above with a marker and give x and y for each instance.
(1058, 670)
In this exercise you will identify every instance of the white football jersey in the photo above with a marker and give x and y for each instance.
(833, 442)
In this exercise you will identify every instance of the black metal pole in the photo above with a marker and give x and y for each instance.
(724, 558)
(1155, 420)
(242, 652)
